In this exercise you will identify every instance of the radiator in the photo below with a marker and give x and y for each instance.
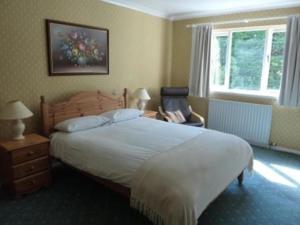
(251, 122)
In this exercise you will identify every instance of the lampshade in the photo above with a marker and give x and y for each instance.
(141, 93)
(15, 110)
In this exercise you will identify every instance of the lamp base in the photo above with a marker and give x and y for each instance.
(18, 128)
(141, 104)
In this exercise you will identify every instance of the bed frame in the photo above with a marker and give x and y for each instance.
(84, 104)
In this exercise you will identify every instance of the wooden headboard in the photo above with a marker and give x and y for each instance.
(82, 104)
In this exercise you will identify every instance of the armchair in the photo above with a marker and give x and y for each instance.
(175, 98)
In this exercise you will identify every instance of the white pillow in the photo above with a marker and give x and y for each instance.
(81, 123)
(122, 114)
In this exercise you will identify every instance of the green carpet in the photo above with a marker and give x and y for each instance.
(271, 196)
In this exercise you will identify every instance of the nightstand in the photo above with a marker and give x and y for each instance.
(24, 164)
(150, 114)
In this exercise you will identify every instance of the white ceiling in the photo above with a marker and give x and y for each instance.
(183, 9)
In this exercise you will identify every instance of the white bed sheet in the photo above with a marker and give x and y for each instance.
(116, 151)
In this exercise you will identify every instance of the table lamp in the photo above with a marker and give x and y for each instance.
(16, 111)
(142, 95)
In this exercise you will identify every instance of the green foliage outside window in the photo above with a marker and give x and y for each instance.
(221, 49)
(276, 64)
(247, 60)
(248, 54)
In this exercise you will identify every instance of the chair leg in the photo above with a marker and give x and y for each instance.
(241, 178)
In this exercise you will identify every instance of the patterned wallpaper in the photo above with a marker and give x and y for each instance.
(140, 48)
(285, 122)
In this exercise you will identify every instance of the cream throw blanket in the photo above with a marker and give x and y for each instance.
(175, 187)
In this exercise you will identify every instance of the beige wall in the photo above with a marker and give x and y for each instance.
(285, 122)
(140, 51)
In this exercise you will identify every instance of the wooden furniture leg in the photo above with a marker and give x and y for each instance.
(241, 178)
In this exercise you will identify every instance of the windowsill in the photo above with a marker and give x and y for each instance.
(252, 94)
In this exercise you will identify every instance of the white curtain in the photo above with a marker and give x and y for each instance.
(200, 61)
(290, 84)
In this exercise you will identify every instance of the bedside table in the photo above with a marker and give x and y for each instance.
(150, 114)
(24, 164)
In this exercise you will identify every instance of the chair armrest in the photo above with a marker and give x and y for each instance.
(197, 116)
(163, 115)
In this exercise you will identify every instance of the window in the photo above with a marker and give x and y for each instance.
(248, 60)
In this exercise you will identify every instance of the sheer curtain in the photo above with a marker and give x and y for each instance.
(200, 61)
(290, 84)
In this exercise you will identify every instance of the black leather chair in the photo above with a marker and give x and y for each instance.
(175, 98)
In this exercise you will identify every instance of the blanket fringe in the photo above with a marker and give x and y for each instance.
(152, 215)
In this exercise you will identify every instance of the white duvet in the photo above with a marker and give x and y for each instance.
(116, 151)
(174, 171)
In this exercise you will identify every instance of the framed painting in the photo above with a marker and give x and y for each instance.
(75, 49)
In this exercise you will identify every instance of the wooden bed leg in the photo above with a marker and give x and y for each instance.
(241, 178)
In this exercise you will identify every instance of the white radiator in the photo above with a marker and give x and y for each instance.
(251, 122)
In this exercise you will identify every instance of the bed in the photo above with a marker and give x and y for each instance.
(170, 172)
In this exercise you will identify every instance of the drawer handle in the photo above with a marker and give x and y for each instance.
(31, 153)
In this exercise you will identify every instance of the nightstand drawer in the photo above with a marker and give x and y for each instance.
(29, 153)
(31, 167)
(32, 182)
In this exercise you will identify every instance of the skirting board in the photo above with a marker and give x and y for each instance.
(278, 148)
(283, 149)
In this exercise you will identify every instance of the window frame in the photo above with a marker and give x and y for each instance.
(264, 91)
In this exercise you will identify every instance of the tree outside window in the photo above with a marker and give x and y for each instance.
(248, 61)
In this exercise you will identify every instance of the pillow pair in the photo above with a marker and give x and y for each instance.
(88, 122)
(176, 117)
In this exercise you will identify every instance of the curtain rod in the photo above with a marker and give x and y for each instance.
(240, 21)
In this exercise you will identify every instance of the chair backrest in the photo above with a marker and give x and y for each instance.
(175, 98)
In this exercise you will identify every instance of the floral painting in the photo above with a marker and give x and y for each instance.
(77, 49)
